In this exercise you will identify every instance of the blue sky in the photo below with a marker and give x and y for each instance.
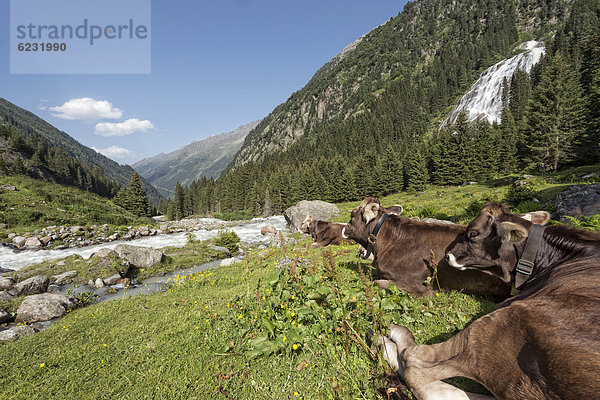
(215, 66)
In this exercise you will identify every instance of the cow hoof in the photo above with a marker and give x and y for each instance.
(389, 350)
(383, 283)
(402, 337)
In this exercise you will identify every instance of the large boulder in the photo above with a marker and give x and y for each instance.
(319, 210)
(19, 241)
(44, 307)
(34, 285)
(268, 229)
(64, 277)
(33, 243)
(576, 201)
(140, 257)
(6, 283)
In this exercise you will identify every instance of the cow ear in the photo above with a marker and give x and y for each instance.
(510, 232)
(370, 211)
(537, 217)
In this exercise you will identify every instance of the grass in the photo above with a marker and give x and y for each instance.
(254, 329)
(461, 204)
(37, 204)
(200, 339)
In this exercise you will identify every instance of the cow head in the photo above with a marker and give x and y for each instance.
(490, 240)
(362, 219)
(306, 224)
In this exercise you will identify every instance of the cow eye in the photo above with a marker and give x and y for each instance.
(473, 234)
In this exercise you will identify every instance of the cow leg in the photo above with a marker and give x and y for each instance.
(401, 339)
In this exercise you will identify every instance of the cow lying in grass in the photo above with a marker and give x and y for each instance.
(325, 233)
(544, 343)
(403, 253)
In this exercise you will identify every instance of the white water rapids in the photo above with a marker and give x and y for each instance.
(248, 232)
(484, 99)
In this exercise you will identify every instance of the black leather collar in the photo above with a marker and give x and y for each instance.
(373, 236)
(526, 262)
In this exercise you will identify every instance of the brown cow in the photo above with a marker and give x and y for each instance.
(402, 253)
(541, 344)
(324, 233)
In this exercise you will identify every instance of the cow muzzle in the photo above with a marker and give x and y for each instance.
(453, 263)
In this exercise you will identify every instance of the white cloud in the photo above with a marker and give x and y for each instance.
(87, 109)
(123, 128)
(115, 152)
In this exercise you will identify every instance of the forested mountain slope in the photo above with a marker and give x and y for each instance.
(380, 133)
(208, 157)
(28, 124)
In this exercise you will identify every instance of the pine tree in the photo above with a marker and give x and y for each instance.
(555, 113)
(417, 170)
(267, 208)
(136, 198)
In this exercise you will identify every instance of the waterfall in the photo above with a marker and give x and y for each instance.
(484, 99)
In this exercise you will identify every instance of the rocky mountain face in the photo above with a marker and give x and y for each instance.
(207, 157)
(30, 124)
(426, 32)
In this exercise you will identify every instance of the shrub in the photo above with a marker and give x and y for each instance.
(228, 239)
(520, 193)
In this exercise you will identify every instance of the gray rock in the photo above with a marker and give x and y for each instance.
(6, 283)
(44, 307)
(220, 249)
(319, 210)
(112, 280)
(53, 289)
(527, 176)
(10, 188)
(19, 241)
(64, 277)
(144, 230)
(90, 282)
(286, 263)
(99, 283)
(437, 221)
(33, 243)
(75, 229)
(140, 257)
(576, 201)
(12, 235)
(268, 229)
(229, 261)
(61, 263)
(3, 226)
(4, 316)
(16, 332)
(103, 253)
(33, 285)
(6, 295)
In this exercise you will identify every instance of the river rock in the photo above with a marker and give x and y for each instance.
(576, 201)
(44, 307)
(16, 332)
(437, 221)
(103, 253)
(46, 239)
(140, 257)
(33, 285)
(4, 316)
(6, 283)
(268, 229)
(53, 289)
(19, 241)
(144, 230)
(319, 210)
(33, 243)
(112, 280)
(64, 277)
(99, 283)
(75, 229)
(6, 295)
(229, 261)
(221, 249)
